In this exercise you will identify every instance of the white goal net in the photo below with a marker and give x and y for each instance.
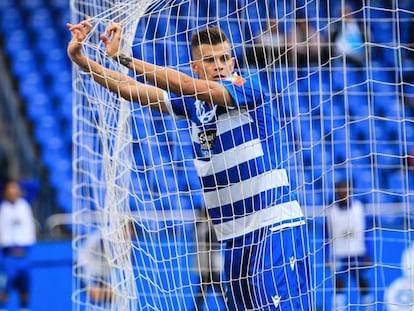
(336, 78)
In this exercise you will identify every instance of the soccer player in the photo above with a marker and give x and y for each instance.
(246, 191)
(350, 256)
(17, 236)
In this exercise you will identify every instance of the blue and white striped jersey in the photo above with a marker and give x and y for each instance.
(238, 160)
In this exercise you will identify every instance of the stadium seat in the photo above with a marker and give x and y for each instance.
(365, 181)
(11, 18)
(384, 130)
(65, 107)
(59, 5)
(334, 120)
(53, 151)
(61, 171)
(398, 182)
(7, 4)
(64, 192)
(407, 127)
(388, 156)
(360, 129)
(59, 82)
(358, 102)
(38, 105)
(24, 63)
(381, 74)
(30, 85)
(30, 188)
(39, 18)
(31, 5)
(16, 40)
(45, 129)
(47, 40)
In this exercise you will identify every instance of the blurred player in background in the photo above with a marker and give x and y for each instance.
(238, 159)
(95, 264)
(17, 236)
(350, 249)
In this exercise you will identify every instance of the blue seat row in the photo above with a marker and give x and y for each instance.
(345, 126)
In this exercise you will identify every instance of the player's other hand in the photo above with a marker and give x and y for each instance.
(79, 33)
(112, 39)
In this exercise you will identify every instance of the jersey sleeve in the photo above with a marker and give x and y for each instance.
(246, 91)
(178, 106)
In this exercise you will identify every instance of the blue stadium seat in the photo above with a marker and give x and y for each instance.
(282, 78)
(384, 130)
(46, 129)
(407, 127)
(7, 4)
(31, 188)
(59, 82)
(63, 193)
(334, 121)
(38, 105)
(398, 182)
(386, 196)
(60, 171)
(47, 40)
(39, 18)
(30, 85)
(358, 103)
(53, 151)
(388, 156)
(16, 40)
(364, 183)
(31, 5)
(59, 5)
(382, 31)
(65, 107)
(359, 157)
(10, 19)
(360, 129)
(24, 63)
(378, 74)
(345, 77)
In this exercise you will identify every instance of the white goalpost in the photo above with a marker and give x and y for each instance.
(339, 78)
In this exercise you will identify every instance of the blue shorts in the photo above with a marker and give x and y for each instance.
(16, 273)
(268, 270)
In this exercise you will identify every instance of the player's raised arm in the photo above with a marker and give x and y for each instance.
(116, 82)
(206, 88)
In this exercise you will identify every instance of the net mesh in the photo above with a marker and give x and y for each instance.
(344, 107)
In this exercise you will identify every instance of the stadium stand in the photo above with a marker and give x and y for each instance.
(34, 40)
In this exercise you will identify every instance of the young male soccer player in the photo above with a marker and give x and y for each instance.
(246, 191)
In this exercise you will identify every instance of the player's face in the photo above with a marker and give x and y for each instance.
(213, 62)
(12, 192)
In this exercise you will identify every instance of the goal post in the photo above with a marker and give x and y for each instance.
(343, 106)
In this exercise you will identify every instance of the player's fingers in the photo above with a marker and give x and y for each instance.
(86, 25)
(104, 39)
(114, 29)
(70, 26)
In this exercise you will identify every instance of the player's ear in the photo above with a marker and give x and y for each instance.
(195, 67)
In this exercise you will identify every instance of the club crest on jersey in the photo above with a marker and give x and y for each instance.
(204, 113)
(207, 140)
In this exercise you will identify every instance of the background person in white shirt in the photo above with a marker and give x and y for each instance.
(17, 235)
(349, 254)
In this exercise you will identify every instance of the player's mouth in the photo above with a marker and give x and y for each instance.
(220, 77)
